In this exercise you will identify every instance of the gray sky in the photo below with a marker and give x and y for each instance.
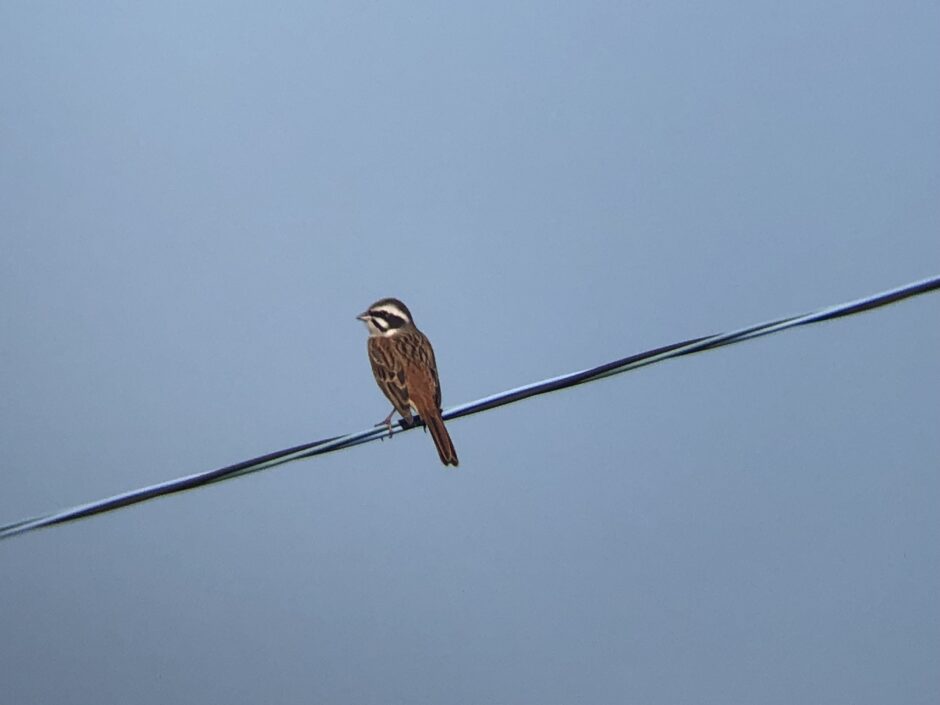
(195, 201)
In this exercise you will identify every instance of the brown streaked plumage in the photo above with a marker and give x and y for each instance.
(404, 367)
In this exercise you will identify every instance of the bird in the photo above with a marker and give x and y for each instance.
(405, 370)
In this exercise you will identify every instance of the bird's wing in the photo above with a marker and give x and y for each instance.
(389, 374)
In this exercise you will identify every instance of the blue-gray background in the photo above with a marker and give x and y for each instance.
(196, 199)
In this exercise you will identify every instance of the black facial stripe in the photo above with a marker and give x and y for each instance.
(386, 320)
(393, 304)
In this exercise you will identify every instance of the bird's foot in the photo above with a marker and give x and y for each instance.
(387, 422)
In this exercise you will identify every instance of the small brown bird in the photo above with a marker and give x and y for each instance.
(403, 364)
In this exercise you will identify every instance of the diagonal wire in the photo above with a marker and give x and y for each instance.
(328, 445)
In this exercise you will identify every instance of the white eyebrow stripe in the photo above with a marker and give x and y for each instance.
(392, 310)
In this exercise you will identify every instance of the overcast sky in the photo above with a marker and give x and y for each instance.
(196, 199)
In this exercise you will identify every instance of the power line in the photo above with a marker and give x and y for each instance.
(328, 445)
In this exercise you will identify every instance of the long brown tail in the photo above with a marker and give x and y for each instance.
(445, 447)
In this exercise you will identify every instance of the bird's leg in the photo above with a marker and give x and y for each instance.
(388, 422)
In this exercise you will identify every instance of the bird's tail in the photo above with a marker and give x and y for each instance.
(445, 447)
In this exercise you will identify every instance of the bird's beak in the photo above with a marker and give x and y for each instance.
(362, 316)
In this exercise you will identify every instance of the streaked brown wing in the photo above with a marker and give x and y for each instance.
(389, 374)
(424, 388)
(424, 391)
(405, 369)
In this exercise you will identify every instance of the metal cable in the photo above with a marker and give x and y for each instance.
(334, 443)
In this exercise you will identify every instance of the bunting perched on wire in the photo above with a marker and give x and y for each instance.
(334, 443)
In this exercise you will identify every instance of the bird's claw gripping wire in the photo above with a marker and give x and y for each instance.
(387, 422)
